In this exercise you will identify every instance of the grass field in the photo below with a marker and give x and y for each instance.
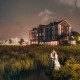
(16, 59)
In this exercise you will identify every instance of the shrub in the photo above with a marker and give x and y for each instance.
(70, 71)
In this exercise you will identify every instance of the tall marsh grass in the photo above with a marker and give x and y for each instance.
(15, 59)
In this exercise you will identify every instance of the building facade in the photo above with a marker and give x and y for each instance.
(51, 33)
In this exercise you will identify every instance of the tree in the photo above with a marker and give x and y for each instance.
(10, 41)
(21, 41)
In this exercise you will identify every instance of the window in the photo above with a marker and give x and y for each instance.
(61, 27)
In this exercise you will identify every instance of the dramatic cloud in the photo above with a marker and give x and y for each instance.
(69, 2)
(18, 17)
(46, 16)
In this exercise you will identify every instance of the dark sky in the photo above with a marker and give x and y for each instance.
(18, 17)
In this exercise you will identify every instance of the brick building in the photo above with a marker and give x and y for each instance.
(50, 34)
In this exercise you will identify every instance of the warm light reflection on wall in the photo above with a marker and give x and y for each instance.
(49, 43)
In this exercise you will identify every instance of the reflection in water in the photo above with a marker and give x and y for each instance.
(34, 76)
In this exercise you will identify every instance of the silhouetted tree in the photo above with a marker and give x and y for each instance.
(75, 33)
(10, 41)
(21, 41)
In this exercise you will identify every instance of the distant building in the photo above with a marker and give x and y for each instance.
(11, 41)
(72, 42)
(50, 34)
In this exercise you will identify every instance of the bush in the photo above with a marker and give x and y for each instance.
(70, 71)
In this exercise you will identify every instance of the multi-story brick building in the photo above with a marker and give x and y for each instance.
(51, 33)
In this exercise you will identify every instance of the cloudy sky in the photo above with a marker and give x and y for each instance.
(18, 17)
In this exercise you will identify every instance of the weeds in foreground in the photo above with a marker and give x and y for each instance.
(15, 59)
